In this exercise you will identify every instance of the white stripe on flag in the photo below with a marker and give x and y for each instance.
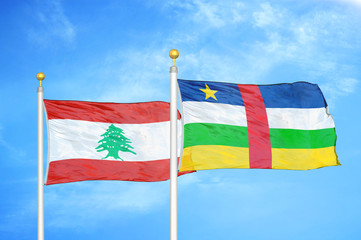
(204, 112)
(299, 118)
(71, 139)
(286, 118)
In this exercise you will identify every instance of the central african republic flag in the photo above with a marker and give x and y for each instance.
(281, 126)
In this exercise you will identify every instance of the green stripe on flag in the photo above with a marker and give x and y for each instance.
(215, 134)
(236, 136)
(302, 139)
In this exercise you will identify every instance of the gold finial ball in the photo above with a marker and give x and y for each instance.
(40, 76)
(173, 53)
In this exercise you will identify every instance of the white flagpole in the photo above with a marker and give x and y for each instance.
(40, 76)
(173, 148)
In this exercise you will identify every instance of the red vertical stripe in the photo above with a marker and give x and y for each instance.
(260, 155)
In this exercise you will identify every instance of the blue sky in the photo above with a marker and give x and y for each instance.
(117, 51)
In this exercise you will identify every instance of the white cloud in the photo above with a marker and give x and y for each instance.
(52, 24)
(306, 41)
(218, 15)
(268, 16)
(132, 76)
(338, 87)
(353, 2)
(348, 85)
(214, 14)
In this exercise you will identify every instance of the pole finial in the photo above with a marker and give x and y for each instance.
(40, 76)
(173, 54)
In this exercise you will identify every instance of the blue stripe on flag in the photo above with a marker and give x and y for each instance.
(292, 95)
(287, 95)
(227, 93)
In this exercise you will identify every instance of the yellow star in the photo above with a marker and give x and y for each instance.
(209, 93)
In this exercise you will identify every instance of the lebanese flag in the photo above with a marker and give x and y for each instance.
(107, 141)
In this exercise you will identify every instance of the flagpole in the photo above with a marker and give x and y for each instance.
(173, 148)
(40, 76)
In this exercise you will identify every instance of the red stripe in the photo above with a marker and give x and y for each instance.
(133, 113)
(260, 154)
(75, 170)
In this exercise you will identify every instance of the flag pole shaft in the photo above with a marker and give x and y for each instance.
(40, 165)
(173, 155)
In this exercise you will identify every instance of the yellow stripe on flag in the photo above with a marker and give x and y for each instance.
(204, 157)
(303, 159)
